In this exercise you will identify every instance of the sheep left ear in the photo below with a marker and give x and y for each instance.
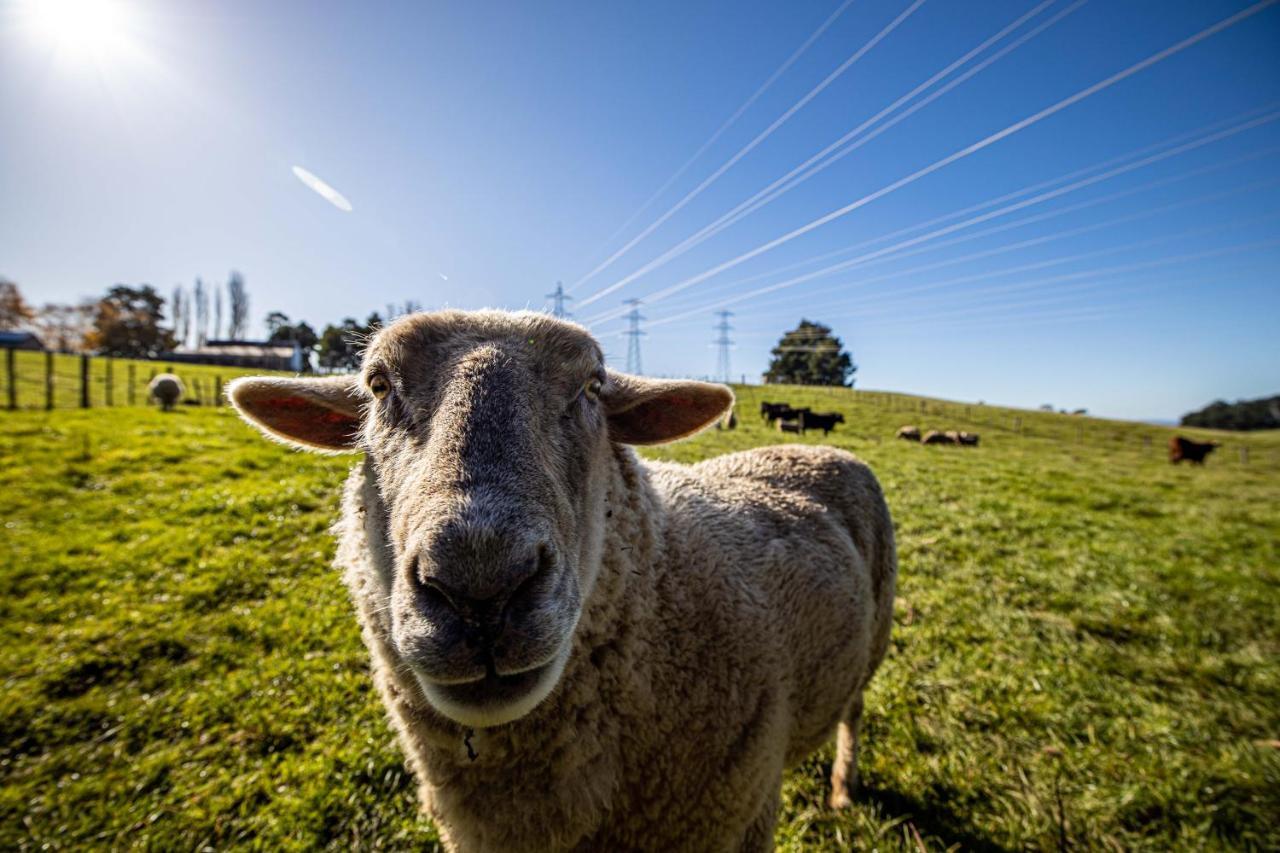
(314, 414)
(654, 411)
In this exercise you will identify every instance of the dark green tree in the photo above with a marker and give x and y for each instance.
(810, 355)
(342, 346)
(126, 323)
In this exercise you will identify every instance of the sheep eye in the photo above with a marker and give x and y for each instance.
(592, 390)
(379, 386)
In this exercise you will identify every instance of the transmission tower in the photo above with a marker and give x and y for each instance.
(633, 334)
(558, 299)
(723, 343)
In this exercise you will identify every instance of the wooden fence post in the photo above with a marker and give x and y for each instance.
(48, 380)
(217, 389)
(84, 381)
(1244, 455)
(1017, 424)
(110, 391)
(132, 395)
(11, 368)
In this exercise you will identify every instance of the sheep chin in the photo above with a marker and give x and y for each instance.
(487, 716)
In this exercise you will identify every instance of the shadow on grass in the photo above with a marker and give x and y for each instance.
(930, 819)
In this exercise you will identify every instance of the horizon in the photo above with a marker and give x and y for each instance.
(1116, 252)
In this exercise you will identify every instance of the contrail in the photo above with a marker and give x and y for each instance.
(984, 142)
(785, 184)
(737, 114)
(1038, 199)
(322, 189)
(765, 134)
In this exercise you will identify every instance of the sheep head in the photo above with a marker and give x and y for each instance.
(490, 436)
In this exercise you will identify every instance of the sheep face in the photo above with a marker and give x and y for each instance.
(490, 437)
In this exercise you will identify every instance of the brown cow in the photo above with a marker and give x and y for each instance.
(1193, 451)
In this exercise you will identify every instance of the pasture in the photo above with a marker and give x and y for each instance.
(1086, 651)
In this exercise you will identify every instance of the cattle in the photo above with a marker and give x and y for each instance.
(909, 433)
(825, 421)
(1193, 451)
(933, 436)
(784, 412)
(769, 411)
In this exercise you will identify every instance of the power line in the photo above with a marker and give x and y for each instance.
(723, 343)
(983, 143)
(633, 337)
(790, 181)
(746, 149)
(737, 114)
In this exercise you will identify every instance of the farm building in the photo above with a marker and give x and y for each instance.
(20, 340)
(264, 355)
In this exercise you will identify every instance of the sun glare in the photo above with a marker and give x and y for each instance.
(83, 31)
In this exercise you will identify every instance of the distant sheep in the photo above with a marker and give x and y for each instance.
(933, 436)
(580, 649)
(166, 389)
(968, 439)
(909, 433)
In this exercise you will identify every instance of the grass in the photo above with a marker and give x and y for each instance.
(1086, 651)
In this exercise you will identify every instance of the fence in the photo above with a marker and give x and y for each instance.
(31, 379)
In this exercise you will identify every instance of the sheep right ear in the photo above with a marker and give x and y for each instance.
(314, 414)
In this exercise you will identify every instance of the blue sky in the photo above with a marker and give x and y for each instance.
(489, 150)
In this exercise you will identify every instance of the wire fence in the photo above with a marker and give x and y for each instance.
(33, 379)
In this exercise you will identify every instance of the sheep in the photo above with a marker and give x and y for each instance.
(969, 439)
(577, 648)
(166, 389)
(909, 433)
(933, 436)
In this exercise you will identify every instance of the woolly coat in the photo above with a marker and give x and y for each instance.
(741, 606)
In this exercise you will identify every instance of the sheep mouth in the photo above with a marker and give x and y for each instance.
(494, 698)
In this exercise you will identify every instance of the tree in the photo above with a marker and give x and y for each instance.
(238, 298)
(201, 296)
(810, 355)
(178, 308)
(282, 331)
(126, 322)
(342, 346)
(64, 328)
(217, 313)
(276, 321)
(14, 310)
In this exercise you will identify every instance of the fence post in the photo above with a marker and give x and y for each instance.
(195, 383)
(84, 381)
(110, 395)
(1017, 424)
(48, 381)
(217, 389)
(132, 395)
(1244, 455)
(12, 370)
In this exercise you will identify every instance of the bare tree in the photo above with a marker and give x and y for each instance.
(217, 313)
(202, 313)
(65, 327)
(239, 299)
(178, 307)
(14, 310)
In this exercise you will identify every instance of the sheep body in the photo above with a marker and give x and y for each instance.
(742, 605)
(166, 389)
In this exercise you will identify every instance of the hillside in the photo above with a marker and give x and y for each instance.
(1085, 651)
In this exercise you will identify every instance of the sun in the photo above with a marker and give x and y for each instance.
(94, 32)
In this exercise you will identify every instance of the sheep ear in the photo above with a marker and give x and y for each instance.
(314, 414)
(653, 411)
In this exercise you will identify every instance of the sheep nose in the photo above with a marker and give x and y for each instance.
(480, 594)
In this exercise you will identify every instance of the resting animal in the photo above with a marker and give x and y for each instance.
(579, 649)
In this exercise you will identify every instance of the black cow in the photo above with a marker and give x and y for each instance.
(1193, 451)
(825, 421)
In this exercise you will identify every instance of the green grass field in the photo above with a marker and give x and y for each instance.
(1086, 651)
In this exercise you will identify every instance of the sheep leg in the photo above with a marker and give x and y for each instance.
(844, 772)
(759, 836)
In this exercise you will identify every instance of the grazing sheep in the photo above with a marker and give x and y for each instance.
(968, 439)
(580, 649)
(933, 436)
(166, 389)
(910, 433)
